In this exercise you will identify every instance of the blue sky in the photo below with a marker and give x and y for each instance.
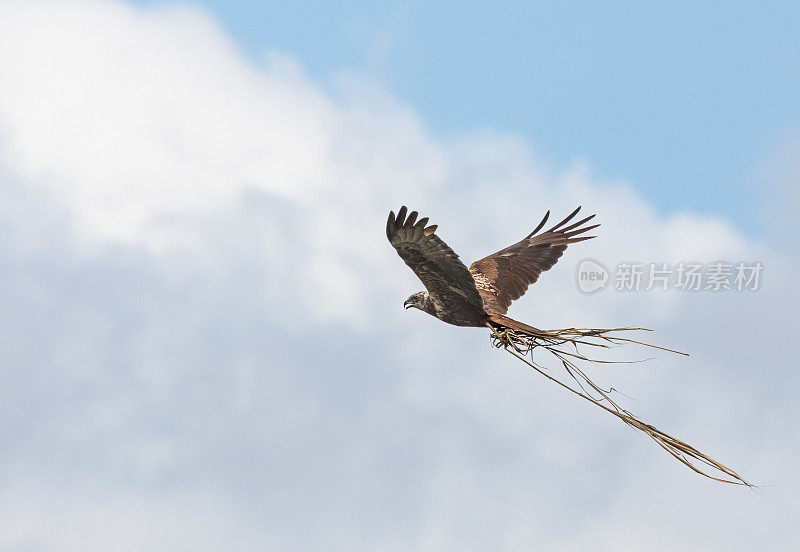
(204, 344)
(687, 100)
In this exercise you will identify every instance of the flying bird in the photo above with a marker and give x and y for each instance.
(482, 293)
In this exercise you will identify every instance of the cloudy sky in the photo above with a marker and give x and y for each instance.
(204, 344)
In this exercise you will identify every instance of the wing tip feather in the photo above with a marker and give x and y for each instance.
(408, 220)
(390, 225)
(566, 220)
(540, 225)
(401, 215)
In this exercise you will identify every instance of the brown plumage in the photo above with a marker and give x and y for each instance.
(481, 293)
(480, 296)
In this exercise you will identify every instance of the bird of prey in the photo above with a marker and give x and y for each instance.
(482, 293)
(480, 296)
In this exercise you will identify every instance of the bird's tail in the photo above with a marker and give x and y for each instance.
(515, 325)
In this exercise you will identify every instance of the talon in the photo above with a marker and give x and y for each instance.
(501, 335)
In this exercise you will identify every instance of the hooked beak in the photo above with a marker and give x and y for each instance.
(407, 305)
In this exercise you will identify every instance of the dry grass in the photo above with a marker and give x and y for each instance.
(565, 345)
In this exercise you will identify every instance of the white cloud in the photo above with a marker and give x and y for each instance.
(205, 340)
(778, 180)
(129, 113)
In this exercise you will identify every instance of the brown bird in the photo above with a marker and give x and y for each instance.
(479, 294)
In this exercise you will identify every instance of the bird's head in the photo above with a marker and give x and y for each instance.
(419, 301)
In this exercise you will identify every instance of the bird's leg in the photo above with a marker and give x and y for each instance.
(502, 335)
(507, 338)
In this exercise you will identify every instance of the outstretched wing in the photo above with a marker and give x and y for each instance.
(443, 274)
(505, 276)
